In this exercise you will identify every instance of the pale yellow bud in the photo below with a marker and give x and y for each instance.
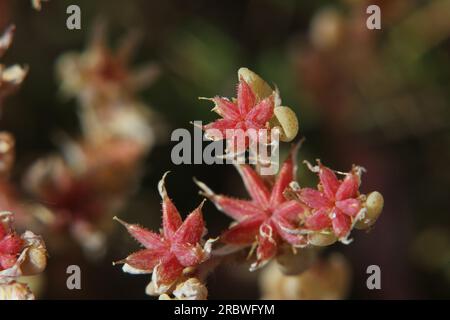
(286, 119)
(374, 205)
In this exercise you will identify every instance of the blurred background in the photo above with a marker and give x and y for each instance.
(377, 98)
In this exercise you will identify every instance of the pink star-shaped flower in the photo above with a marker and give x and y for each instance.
(167, 254)
(335, 203)
(247, 112)
(266, 219)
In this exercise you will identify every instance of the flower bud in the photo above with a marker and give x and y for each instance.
(258, 85)
(320, 239)
(374, 205)
(286, 119)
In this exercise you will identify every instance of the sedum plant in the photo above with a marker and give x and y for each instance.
(281, 220)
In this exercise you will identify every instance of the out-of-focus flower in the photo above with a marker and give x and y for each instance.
(84, 187)
(98, 76)
(20, 255)
(256, 107)
(10, 77)
(166, 255)
(326, 279)
(106, 88)
(265, 219)
(129, 121)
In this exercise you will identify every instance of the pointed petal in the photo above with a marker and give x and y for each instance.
(187, 254)
(285, 177)
(329, 181)
(243, 233)
(261, 113)
(148, 239)
(255, 185)
(145, 260)
(245, 97)
(314, 199)
(341, 223)
(227, 109)
(350, 207)
(236, 208)
(348, 188)
(171, 217)
(267, 246)
(192, 229)
(319, 220)
(167, 272)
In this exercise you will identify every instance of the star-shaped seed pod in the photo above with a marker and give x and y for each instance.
(265, 219)
(168, 254)
(256, 107)
(337, 205)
